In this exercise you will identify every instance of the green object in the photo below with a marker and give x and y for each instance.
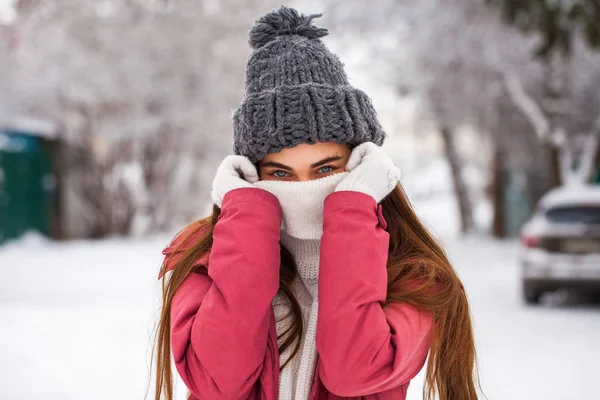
(596, 179)
(517, 206)
(26, 184)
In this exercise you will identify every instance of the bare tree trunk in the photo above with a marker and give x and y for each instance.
(59, 170)
(554, 106)
(596, 165)
(555, 175)
(460, 187)
(498, 226)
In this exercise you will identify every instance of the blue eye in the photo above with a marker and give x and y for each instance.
(327, 166)
(277, 175)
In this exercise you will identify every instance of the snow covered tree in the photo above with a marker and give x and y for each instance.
(142, 92)
(561, 26)
(391, 32)
(556, 21)
(469, 69)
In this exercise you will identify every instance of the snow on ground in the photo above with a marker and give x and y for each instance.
(77, 319)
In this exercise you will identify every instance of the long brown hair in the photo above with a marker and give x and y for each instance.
(419, 274)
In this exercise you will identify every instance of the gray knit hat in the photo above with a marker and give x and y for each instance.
(297, 91)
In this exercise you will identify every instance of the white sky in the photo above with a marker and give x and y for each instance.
(7, 11)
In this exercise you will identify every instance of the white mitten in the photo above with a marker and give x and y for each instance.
(372, 171)
(234, 172)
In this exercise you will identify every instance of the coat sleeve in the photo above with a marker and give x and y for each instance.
(363, 348)
(220, 315)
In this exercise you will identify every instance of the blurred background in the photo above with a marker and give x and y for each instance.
(114, 115)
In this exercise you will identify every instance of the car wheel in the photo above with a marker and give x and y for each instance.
(531, 294)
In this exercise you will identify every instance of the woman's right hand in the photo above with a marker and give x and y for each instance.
(234, 172)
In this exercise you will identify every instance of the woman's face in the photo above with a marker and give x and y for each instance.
(304, 162)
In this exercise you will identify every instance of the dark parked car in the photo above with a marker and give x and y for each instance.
(561, 243)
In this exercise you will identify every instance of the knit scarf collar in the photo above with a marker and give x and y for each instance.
(302, 203)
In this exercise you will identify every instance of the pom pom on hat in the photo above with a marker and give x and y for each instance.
(284, 21)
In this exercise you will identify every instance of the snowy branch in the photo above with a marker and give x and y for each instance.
(527, 105)
(588, 155)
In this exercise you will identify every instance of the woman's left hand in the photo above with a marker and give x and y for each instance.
(372, 171)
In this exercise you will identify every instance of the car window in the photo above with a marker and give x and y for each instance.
(574, 214)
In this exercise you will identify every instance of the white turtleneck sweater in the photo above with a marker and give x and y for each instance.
(295, 380)
(302, 228)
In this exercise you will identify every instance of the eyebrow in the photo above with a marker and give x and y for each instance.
(315, 165)
(325, 161)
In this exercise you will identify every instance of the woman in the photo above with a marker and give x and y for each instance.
(312, 278)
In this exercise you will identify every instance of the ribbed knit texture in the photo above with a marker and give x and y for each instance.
(297, 91)
(295, 380)
(302, 227)
(302, 203)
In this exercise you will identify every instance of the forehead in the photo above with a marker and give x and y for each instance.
(308, 153)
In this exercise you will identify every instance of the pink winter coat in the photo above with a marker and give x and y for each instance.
(223, 334)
